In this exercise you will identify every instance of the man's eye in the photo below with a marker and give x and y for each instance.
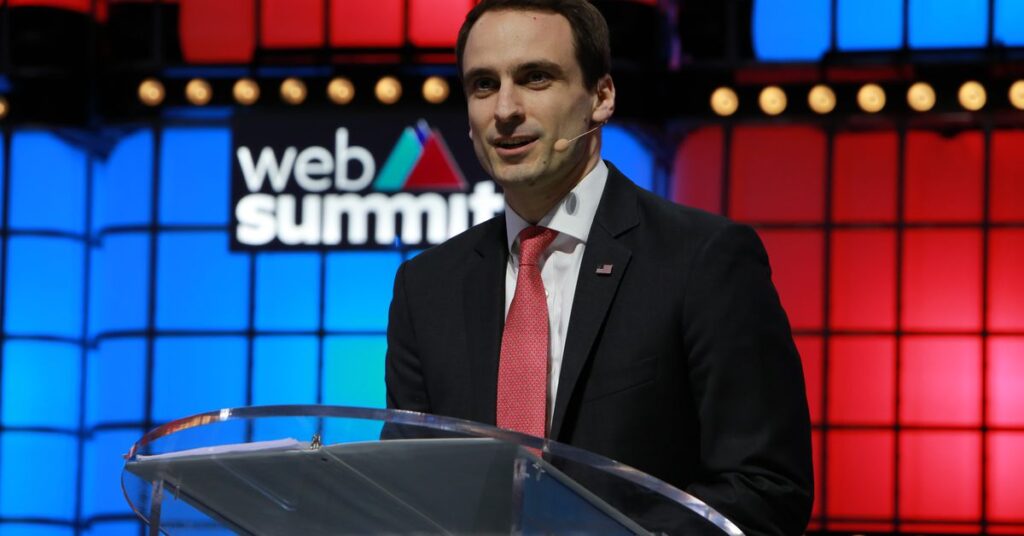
(538, 77)
(484, 85)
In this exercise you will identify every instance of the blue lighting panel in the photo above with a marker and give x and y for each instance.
(41, 384)
(948, 23)
(2, 164)
(200, 284)
(359, 290)
(47, 183)
(115, 528)
(287, 291)
(354, 371)
(1009, 20)
(119, 283)
(195, 173)
(284, 372)
(101, 487)
(44, 286)
(869, 24)
(25, 529)
(625, 150)
(123, 183)
(198, 374)
(116, 375)
(791, 30)
(54, 497)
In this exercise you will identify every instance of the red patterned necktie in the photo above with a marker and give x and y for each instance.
(523, 369)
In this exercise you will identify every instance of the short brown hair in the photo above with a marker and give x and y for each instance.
(589, 31)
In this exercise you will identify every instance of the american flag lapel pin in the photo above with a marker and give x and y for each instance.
(604, 269)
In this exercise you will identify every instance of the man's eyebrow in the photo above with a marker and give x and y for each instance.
(476, 72)
(537, 65)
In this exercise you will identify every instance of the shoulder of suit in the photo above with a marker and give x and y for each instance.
(454, 251)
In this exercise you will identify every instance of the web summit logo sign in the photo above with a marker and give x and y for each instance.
(286, 196)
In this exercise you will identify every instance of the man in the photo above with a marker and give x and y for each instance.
(660, 338)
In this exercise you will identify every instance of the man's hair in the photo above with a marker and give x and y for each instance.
(589, 31)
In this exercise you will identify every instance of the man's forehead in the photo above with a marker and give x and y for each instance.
(507, 38)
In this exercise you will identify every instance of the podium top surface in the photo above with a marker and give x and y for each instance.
(239, 468)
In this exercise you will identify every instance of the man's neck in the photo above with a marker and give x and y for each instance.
(533, 204)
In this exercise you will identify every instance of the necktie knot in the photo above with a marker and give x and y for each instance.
(533, 241)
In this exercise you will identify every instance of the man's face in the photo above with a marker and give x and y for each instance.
(525, 90)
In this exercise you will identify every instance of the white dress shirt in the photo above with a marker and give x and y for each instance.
(560, 263)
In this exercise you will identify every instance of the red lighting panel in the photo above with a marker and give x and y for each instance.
(861, 382)
(217, 32)
(1007, 175)
(1005, 405)
(84, 6)
(1005, 482)
(291, 23)
(860, 477)
(367, 24)
(944, 177)
(435, 23)
(777, 174)
(940, 478)
(796, 260)
(863, 284)
(816, 459)
(864, 169)
(940, 381)
(942, 280)
(810, 348)
(1006, 280)
(698, 170)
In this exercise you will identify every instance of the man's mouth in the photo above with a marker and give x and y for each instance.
(514, 142)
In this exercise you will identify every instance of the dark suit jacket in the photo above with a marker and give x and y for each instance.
(680, 363)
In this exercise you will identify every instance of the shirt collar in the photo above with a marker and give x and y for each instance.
(573, 215)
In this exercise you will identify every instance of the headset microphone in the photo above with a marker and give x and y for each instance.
(562, 144)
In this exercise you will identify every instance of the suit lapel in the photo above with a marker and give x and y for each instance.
(616, 214)
(484, 306)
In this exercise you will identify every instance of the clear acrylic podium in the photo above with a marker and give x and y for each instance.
(331, 470)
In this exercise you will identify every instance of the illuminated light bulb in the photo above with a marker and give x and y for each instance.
(293, 91)
(246, 91)
(341, 91)
(4, 108)
(821, 99)
(772, 100)
(435, 90)
(871, 98)
(921, 97)
(151, 92)
(1017, 94)
(972, 96)
(388, 90)
(724, 101)
(198, 92)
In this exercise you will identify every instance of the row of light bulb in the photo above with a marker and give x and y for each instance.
(340, 90)
(870, 98)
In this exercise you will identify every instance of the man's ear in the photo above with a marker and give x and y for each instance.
(604, 100)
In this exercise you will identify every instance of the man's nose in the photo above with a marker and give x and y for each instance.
(509, 107)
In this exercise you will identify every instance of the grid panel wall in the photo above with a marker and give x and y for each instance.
(896, 275)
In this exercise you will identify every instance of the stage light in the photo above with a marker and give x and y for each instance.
(435, 90)
(151, 92)
(293, 91)
(821, 99)
(972, 96)
(388, 90)
(198, 91)
(772, 100)
(341, 91)
(724, 101)
(921, 97)
(871, 98)
(246, 91)
(4, 108)
(1017, 94)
